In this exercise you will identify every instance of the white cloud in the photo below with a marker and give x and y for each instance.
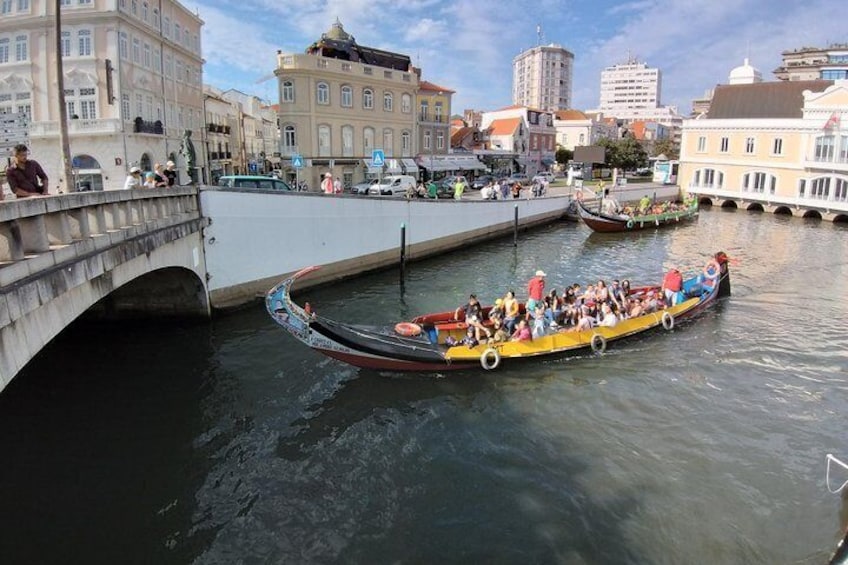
(630, 7)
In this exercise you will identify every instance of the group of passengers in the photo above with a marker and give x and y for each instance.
(576, 309)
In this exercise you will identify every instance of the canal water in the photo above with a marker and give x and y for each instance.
(230, 442)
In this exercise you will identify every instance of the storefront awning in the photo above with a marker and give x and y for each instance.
(410, 166)
(468, 163)
(371, 168)
(393, 167)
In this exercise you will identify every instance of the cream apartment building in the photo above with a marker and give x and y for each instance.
(132, 82)
(339, 102)
(777, 146)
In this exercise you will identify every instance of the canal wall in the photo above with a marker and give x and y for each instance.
(256, 238)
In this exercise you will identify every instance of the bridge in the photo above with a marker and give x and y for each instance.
(825, 207)
(110, 254)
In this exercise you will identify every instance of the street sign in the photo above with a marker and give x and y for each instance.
(378, 158)
(297, 161)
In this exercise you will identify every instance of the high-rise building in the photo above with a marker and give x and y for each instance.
(629, 86)
(541, 78)
(813, 63)
(132, 78)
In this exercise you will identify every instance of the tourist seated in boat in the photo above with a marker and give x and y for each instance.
(540, 321)
(602, 294)
(585, 320)
(511, 310)
(610, 206)
(473, 316)
(500, 334)
(607, 319)
(617, 294)
(496, 312)
(553, 308)
(470, 339)
(522, 331)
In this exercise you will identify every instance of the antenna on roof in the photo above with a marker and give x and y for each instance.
(540, 37)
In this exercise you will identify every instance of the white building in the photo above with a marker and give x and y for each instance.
(629, 86)
(132, 76)
(526, 132)
(541, 78)
(814, 63)
(575, 128)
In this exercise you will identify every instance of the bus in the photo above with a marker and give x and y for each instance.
(665, 172)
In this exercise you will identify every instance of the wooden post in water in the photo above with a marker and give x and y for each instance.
(515, 228)
(402, 252)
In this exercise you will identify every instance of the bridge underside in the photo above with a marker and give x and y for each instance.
(777, 209)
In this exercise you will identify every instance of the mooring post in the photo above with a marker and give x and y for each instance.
(402, 251)
(515, 228)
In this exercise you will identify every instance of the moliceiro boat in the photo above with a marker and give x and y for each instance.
(429, 342)
(601, 222)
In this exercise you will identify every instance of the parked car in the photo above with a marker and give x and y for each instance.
(393, 185)
(362, 187)
(253, 181)
(518, 177)
(545, 176)
(643, 172)
(482, 181)
(450, 182)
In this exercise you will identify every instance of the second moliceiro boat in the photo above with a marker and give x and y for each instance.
(602, 222)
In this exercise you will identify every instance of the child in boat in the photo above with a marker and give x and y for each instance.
(470, 338)
(540, 322)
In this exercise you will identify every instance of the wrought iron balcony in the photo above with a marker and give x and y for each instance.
(142, 126)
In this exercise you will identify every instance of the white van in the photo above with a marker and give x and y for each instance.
(392, 185)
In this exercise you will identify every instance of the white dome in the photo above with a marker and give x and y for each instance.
(745, 74)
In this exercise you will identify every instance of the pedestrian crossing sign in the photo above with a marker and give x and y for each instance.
(297, 161)
(378, 158)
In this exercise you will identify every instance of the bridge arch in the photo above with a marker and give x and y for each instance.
(171, 291)
(814, 214)
(755, 207)
(731, 204)
(705, 201)
(783, 211)
(840, 218)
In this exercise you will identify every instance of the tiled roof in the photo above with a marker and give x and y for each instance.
(460, 134)
(780, 99)
(426, 85)
(505, 126)
(570, 115)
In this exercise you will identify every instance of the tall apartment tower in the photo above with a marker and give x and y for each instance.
(541, 78)
(815, 63)
(629, 86)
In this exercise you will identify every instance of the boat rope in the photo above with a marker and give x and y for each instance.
(832, 459)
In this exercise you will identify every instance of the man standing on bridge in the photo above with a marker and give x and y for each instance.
(26, 177)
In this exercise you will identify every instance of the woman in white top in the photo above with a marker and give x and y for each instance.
(133, 179)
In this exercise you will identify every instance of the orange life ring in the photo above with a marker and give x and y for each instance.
(712, 270)
(408, 329)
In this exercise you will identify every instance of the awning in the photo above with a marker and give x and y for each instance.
(371, 168)
(468, 163)
(410, 166)
(436, 163)
(393, 167)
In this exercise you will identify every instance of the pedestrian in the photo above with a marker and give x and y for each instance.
(458, 188)
(133, 179)
(327, 186)
(149, 180)
(535, 291)
(159, 178)
(337, 186)
(170, 173)
(25, 176)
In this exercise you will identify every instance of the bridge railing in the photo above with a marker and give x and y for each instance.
(37, 233)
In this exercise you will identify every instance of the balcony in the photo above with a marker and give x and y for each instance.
(142, 126)
(106, 126)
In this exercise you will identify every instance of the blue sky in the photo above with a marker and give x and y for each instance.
(468, 45)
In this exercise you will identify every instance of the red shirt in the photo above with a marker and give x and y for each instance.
(673, 280)
(536, 288)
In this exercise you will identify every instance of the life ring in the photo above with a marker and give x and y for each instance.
(598, 343)
(490, 359)
(712, 270)
(667, 321)
(408, 329)
(629, 224)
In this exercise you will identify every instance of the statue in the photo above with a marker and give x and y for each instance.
(190, 156)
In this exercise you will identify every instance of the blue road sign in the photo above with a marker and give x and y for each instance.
(297, 161)
(378, 158)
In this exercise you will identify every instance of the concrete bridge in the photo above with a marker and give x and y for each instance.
(116, 253)
(829, 209)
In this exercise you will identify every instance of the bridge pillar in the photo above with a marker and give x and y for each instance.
(34, 234)
(58, 228)
(78, 224)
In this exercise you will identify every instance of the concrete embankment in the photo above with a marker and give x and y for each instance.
(256, 238)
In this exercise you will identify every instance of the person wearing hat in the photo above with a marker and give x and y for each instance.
(133, 179)
(536, 290)
(327, 186)
(170, 173)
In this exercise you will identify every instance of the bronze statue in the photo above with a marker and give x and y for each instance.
(190, 156)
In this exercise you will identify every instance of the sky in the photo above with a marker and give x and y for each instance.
(468, 45)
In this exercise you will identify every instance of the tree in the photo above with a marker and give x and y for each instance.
(625, 153)
(563, 155)
(665, 147)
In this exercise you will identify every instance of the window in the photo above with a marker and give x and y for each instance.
(406, 103)
(405, 144)
(125, 106)
(725, 145)
(169, 66)
(777, 146)
(146, 60)
(156, 18)
(439, 112)
(428, 140)
(179, 74)
(134, 5)
(824, 148)
(136, 50)
(387, 101)
(23, 5)
(6, 7)
(843, 149)
(66, 44)
(324, 141)
(368, 99)
(323, 93)
(440, 140)
(186, 38)
(157, 60)
(21, 44)
(347, 141)
(749, 145)
(757, 182)
(166, 27)
(424, 108)
(347, 96)
(288, 91)
(802, 185)
(388, 141)
(702, 144)
(367, 140)
(840, 192)
(123, 45)
(4, 49)
(139, 105)
(820, 188)
(144, 11)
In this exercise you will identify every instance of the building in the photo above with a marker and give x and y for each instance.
(257, 137)
(744, 74)
(629, 86)
(220, 118)
(777, 146)
(132, 76)
(339, 101)
(525, 135)
(434, 127)
(541, 78)
(811, 63)
(575, 128)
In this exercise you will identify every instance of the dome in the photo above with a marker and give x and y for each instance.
(338, 33)
(745, 74)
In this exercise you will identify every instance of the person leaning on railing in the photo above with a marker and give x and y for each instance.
(25, 176)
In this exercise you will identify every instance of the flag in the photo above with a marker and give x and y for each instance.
(832, 122)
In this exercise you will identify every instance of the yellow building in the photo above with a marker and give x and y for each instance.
(781, 147)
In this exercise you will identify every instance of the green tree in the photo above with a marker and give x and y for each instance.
(625, 153)
(665, 147)
(563, 155)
